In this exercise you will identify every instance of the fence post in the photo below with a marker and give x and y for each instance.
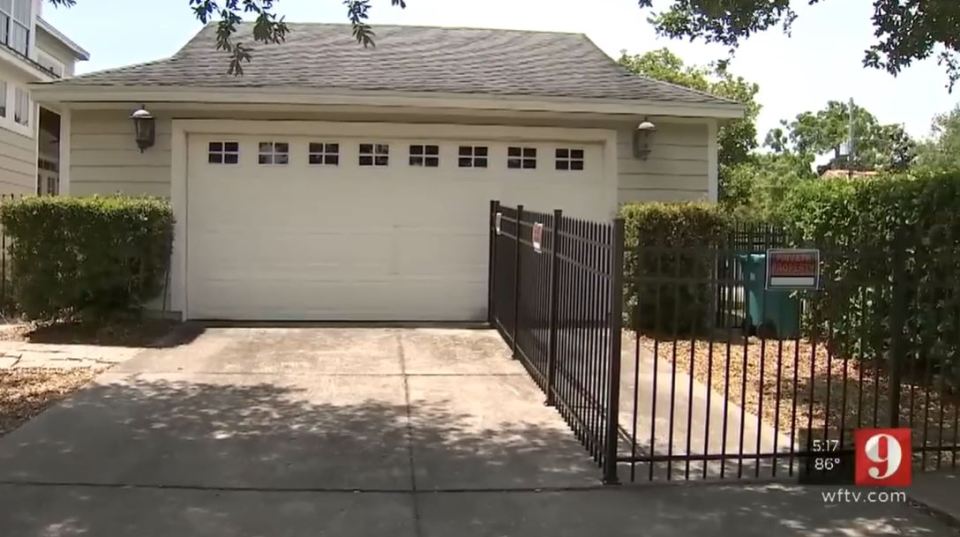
(613, 380)
(553, 304)
(516, 281)
(898, 348)
(492, 259)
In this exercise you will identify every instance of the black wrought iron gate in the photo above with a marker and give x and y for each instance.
(556, 298)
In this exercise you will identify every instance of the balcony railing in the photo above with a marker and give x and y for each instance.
(14, 35)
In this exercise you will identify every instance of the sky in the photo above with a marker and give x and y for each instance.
(820, 62)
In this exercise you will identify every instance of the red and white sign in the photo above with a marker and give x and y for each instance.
(883, 457)
(537, 237)
(793, 269)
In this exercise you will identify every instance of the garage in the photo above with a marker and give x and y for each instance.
(351, 222)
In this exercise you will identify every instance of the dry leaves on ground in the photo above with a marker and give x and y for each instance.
(815, 387)
(133, 333)
(24, 393)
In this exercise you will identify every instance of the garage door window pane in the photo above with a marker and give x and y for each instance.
(569, 159)
(374, 155)
(323, 154)
(274, 153)
(223, 152)
(472, 156)
(425, 155)
(522, 158)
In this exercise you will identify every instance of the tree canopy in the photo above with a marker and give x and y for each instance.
(941, 153)
(827, 131)
(736, 139)
(269, 27)
(906, 31)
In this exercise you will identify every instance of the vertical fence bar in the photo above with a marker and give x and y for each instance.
(516, 280)
(553, 302)
(492, 259)
(898, 350)
(616, 326)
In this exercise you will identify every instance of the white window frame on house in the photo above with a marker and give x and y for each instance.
(473, 156)
(373, 155)
(19, 13)
(569, 159)
(273, 153)
(521, 157)
(9, 92)
(425, 155)
(22, 107)
(218, 152)
(323, 153)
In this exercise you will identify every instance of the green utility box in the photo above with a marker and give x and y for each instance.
(768, 311)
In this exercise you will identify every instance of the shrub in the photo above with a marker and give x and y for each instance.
(668, 263)
(87, 258)
(889, 235)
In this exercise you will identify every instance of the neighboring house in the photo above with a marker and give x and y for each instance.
(31, 50)
(826, 172)
(333, 181)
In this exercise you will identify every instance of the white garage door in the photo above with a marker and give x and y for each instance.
(329, 228)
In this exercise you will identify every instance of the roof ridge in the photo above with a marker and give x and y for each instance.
(415, 26)
(419, 59)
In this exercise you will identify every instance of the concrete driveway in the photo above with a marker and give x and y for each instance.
(354, 432)
(299, 409)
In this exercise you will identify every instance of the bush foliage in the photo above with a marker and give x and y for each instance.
(890, 251)
(666, 271)
(83, 258)
(883, 237)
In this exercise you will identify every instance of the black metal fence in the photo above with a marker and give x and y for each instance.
(727, 379)
(556, 298)
(717, 376)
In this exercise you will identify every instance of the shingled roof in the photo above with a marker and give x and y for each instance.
(408, 59)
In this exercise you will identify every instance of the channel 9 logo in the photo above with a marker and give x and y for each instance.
(883, 457)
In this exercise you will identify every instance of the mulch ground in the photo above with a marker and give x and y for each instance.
(140, 333)
(823, 389)
(24, 393)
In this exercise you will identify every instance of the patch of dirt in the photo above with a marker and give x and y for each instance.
(804, 380)
(24, 393)
(141, 333)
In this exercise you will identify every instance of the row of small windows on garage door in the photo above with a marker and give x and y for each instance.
(378, 155)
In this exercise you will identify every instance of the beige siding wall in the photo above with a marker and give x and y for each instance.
(104, 158)
(676, 170)
(18, 163)
(57, 51)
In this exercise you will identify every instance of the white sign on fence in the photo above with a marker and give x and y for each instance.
(537, 237)
(793, 269)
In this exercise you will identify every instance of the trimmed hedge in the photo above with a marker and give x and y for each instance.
(668, 263)
(87, 258)
(883, 236)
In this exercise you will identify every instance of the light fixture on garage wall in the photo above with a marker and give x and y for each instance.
(642, 139)
(144, 127)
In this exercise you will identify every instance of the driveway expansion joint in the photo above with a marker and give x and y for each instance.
(415, 503)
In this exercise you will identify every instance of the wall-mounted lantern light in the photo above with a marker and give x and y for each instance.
(642, 139)
(144, 127)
